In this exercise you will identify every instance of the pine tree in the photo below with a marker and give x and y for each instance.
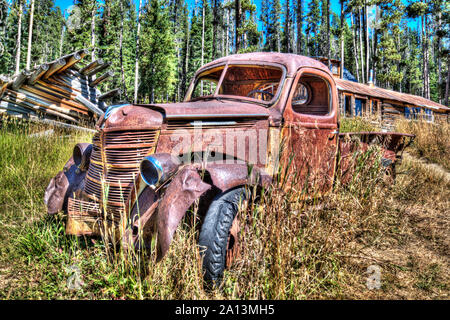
(299, 17)
(158, 64)
(81, 36)
(271, 17)
(313, 19)
(4, 58)
(287, 32)
(388, 72)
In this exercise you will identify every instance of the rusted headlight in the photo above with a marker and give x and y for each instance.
(157, 168)
(81, 155)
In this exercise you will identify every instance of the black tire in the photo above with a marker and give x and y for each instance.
(213, 239)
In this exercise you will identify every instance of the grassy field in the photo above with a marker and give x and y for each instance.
(318, 249)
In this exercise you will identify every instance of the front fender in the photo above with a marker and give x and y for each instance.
(162, 213)
(185, 188)
(227, 176)
(62, 185)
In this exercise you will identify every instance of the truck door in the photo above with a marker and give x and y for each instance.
(310, 132)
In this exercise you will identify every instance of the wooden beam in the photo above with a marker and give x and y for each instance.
(91, 66)
(99, 69)
(352, 105)
(54, 67)
(102, 78)
(88, 104)
(110, 94)
(38, 73)
(20, 79)
(71, 59)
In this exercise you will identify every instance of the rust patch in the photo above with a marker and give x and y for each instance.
(184, 189)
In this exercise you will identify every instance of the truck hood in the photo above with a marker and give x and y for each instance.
(207, 109)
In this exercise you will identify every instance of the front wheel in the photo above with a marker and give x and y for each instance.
(218, 235)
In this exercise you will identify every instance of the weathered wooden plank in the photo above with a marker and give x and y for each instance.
(40, 101)
(88, 104)
(38, 73)
(91, 66)
(99, 69)
(54, 67)
(20, 79)
(37, 107)
(102, 78)
(110, 94)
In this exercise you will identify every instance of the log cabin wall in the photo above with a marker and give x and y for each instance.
(381, 106)
(384, 107)
(63, 92)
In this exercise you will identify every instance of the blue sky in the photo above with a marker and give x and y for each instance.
(63, 4)
(335, 7)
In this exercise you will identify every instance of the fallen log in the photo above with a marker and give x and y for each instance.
(91, 66)
(20, 79)
(4, 81)
(59, 90)
(38, 73)
(54, 67)
(110, 94)
(99, 69)
(89, 105)
(36, 106)
(102, 78)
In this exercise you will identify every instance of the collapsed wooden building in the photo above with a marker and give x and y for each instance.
(382, 105)
(63, 92)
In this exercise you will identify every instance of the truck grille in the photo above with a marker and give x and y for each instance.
(114, 166)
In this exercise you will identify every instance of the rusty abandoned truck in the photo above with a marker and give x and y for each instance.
(148, 164)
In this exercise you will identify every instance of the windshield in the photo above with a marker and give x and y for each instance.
(253, 82)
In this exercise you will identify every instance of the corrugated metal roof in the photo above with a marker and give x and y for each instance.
(380, 93)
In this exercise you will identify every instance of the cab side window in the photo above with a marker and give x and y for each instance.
(312, 96)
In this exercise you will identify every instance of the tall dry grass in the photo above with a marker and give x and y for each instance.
(359, 124)
(291, 249)
(432, 140)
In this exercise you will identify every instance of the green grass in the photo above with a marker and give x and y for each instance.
(294, 249)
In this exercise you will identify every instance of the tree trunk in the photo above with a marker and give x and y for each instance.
(94, 9)
(355, 51)
(203, 45)
(447, 84)
(426, 78)
(342, 39)
(375, 51)
(136, 61)
(30, 35)
(19, 37)
(439, 63)
(299, 26)
(328, 34)
(215, 22)
(122, 71)
(361, 50)
(186, 55)
(63, 29)
(237, 14)
(287, 28)
(366, 34)
(227, 45)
